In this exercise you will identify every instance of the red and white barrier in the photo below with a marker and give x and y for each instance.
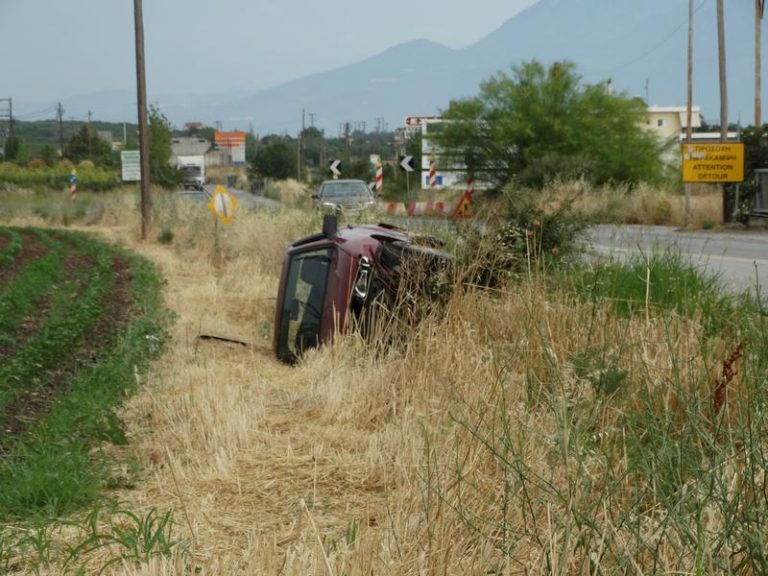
(426, 208)
(392, 208)
(379, 177)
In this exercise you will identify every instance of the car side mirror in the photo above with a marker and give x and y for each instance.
(315, 197)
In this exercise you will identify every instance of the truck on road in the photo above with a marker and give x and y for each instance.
(193, 168)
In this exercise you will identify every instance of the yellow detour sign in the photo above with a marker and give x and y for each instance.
(223, 204)
(713, 163)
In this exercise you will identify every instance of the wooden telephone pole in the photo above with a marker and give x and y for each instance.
(723, 83)
(141, 92)
(759, 9)
(689, 104)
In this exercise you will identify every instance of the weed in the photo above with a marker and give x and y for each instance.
(128, 536)
(9, 549)
(165, 236)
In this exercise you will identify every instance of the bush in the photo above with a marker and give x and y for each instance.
(536, 229)
(42, 177)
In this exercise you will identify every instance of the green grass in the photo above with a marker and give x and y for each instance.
(57, 178)
(663, 280)
(636, 473)
(52, 469)
(58, 467)
(20, 297)
(12, 249)
(75, 309)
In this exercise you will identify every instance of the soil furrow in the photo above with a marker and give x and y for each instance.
(32, 249)
(28, 407)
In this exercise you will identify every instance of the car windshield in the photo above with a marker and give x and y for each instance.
(344, 190)
(304, 299)
(191, 170)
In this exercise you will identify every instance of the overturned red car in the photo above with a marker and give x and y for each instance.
(332, 281)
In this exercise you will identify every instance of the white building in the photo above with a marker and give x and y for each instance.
(669, 122)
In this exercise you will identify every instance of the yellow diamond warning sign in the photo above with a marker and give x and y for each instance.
(713, 163)
(223, 204)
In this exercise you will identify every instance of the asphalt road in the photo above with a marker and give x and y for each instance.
(738, 258)
(245, 200)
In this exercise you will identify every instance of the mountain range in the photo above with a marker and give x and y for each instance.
(640, 46)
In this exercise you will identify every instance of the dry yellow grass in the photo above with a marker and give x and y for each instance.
(643, 204)
(357, 463)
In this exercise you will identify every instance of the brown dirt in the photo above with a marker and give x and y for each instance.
(32, 249)
(33, 403)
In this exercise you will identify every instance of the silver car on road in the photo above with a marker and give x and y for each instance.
(344, 196)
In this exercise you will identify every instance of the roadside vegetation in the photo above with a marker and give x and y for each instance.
(79, 322)
(566, 418)
(557, 414)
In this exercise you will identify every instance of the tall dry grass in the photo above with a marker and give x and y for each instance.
(484, 443)
(642, 204)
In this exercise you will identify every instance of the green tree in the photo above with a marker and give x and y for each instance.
(160, 135)
(755, 140)
(49, 155)
(274, 157)
(85, 144)
(538, 124)
(15, 150)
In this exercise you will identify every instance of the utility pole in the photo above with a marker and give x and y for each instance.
(60, 114)
(689, 104)
(721, 60)
(90, 151)
(7, 115)
(141, 92)
(759, 9)
(299, 145)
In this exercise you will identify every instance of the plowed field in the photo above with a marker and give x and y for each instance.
(69, 305)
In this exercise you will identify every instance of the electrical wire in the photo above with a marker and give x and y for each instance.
(28, 115)
(657, 46)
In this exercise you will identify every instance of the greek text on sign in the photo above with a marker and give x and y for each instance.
(713, 163)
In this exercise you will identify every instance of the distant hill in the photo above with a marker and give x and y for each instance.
(640, 46)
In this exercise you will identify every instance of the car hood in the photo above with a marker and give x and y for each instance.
(346, 200)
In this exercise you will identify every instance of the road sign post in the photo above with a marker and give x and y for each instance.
(335, 168)
(406, 165)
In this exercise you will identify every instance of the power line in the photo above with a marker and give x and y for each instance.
(29, 115)
(657, 46)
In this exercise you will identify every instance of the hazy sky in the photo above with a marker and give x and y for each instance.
(53, 49)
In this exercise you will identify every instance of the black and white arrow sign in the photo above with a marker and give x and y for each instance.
(406, 163)
(335, 167)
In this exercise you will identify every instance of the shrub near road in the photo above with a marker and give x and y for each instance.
(77, 318)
